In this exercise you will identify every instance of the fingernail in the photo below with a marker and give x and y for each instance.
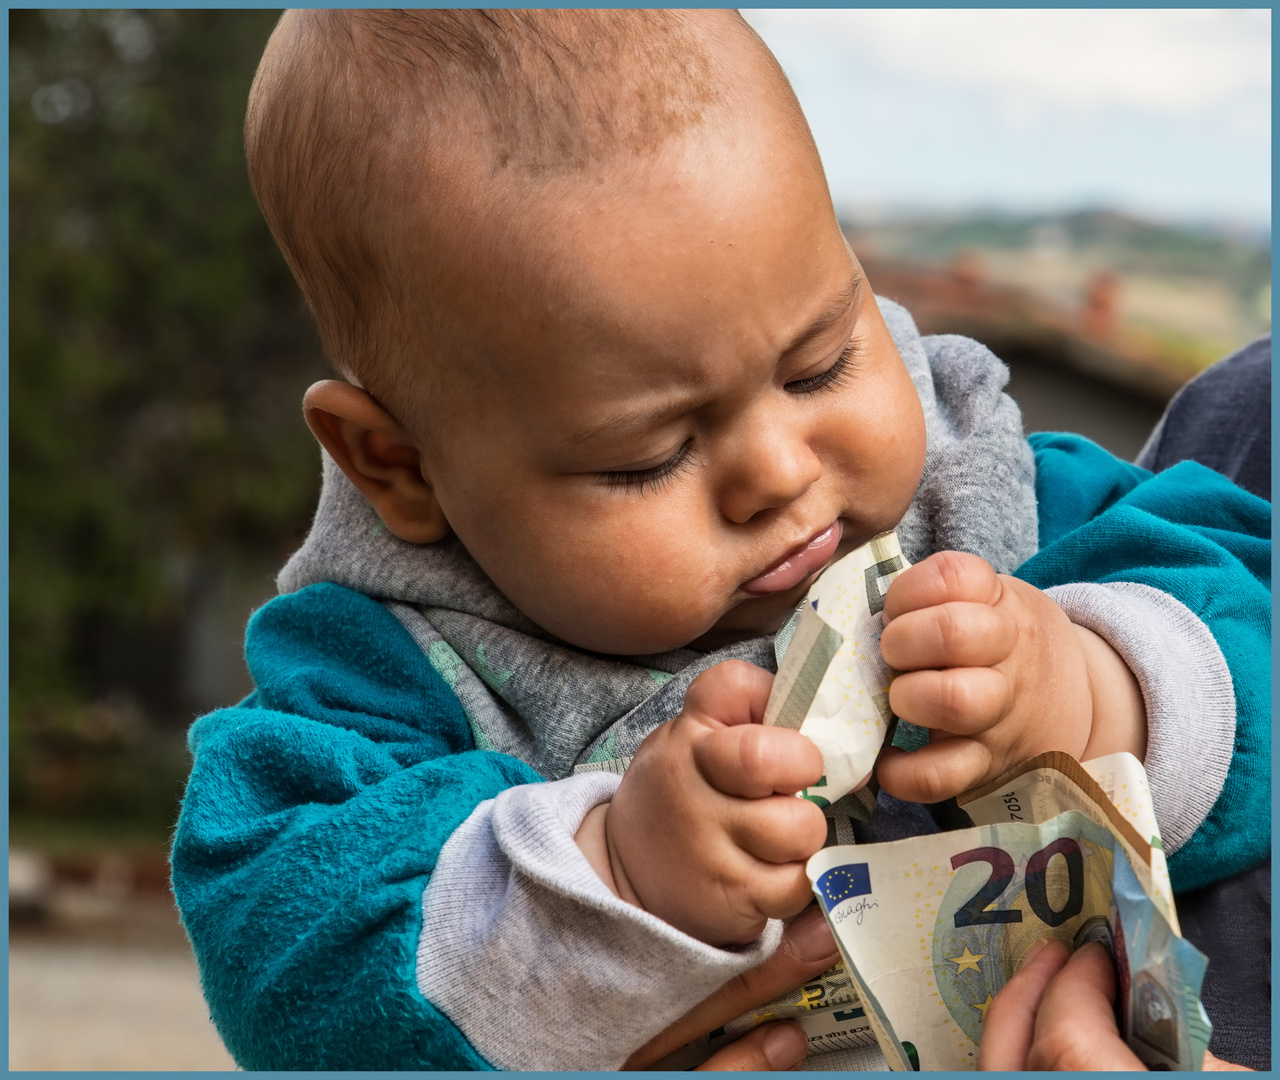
(810, 937)
(785, 1045)
(1036, 949)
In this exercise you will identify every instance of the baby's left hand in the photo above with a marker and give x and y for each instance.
(998, 673)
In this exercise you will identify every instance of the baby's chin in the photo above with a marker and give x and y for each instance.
(750, 618)
(753, 617)
(638, 634)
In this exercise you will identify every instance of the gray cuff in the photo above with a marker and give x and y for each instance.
(527, 951)
(1186, 685)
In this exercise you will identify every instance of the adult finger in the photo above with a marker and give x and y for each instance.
(733, 692)
(956, 634)
(1011, 1019)
(1049, 1017)
(1076, 1023)
(807, 950)
(942, 577)
(752, 761)
(768, 1048)
(961, 701)
(935, 772)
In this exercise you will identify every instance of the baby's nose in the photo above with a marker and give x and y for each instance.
(767, 471)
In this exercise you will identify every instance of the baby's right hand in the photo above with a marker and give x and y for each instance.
(704, 830)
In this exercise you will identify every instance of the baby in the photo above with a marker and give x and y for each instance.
(615, 391)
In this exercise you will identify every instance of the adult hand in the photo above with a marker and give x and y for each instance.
(807, 950)
(768, 1048)
(1057, 1012)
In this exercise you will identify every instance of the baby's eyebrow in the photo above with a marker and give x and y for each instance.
(830, 315)
(624, 421)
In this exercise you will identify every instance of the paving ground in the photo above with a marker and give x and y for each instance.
(105, 982)
(92, 1005)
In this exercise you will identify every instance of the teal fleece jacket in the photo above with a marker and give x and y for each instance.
(318, 807)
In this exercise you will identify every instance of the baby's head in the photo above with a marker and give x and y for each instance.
(582, 275)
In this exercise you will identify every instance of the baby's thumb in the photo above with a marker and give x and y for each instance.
(730, 693)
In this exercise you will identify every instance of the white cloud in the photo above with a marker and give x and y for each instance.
(1170, 62)
(1166, 113)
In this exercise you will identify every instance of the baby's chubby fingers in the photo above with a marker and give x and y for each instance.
(752, 761)
(779, 891)
(961, 701)
(779, 829)
(953, 634)
(935, 772)
(944, 577)
(728, 694)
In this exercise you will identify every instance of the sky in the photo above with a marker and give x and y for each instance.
(1162, 113)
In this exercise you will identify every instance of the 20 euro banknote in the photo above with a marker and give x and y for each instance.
(931, 928)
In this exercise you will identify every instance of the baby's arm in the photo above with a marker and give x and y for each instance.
(999, 674)
(704, 830)
(364, 889)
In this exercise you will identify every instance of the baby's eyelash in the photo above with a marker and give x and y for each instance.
(835, 376)
(634, 481)
(637, 481)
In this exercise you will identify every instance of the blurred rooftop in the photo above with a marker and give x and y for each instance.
(1099, 316)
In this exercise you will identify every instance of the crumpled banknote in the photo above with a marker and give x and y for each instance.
(832, 684)
(930, 928)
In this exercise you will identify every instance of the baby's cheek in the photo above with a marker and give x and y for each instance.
(618, 574)
(890, 429)
(627, 607)
(671, 609)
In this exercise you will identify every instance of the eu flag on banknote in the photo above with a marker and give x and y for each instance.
(841, 882)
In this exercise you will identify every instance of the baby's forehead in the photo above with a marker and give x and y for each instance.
(542, 91)
(549, 252)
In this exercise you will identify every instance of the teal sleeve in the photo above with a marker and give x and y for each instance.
(1195, 536)
(313, 818)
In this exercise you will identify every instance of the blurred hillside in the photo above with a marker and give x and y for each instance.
(1100, 317)
(1191, 294)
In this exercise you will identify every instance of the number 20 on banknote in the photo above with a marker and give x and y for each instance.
(932, 928)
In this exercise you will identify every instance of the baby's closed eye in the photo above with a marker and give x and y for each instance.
(634, 481)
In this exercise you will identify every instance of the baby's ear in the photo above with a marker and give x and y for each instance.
(378, 456)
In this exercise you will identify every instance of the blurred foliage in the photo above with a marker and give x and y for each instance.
(158, 353)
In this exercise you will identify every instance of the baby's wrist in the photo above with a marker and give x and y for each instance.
(622, 887)
(593, 841)
(1119, 714)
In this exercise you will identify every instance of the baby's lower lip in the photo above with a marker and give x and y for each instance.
(798, 565)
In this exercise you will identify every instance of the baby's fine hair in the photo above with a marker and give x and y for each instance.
(352, 115)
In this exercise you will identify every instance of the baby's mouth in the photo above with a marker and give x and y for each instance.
(798, 565)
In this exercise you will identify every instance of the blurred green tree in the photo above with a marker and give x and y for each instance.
(158, 352)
